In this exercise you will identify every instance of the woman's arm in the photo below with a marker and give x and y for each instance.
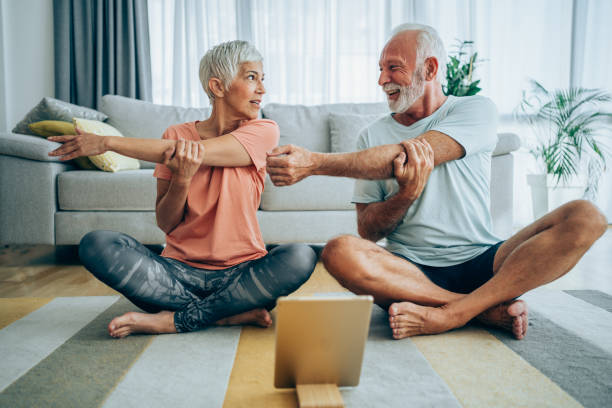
(172, 194)
(222, 151)
(170, 204)
(88, 144)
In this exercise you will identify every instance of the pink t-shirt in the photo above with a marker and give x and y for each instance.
(220, 227)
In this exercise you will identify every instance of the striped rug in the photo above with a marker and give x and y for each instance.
(55, 352)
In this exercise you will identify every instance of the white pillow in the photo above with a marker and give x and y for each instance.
(109, 161)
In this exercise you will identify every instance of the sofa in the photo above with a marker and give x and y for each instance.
(45, 201)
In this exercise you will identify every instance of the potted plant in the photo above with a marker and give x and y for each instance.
(569, 125)
(460, 70)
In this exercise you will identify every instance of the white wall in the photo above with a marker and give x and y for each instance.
(26, 57)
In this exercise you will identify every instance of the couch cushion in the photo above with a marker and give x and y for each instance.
(283, 227)
(71, 226)
(136, 118)
(129, 190)
(308, 126)
(345, 129)
(312, 193)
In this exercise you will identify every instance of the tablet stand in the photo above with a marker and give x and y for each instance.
(319, 396)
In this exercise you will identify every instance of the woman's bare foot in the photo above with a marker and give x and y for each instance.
(409, 319)
(134, 322)
(511, 316)
(257, 317)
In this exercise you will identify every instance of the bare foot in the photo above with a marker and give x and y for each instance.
(511, 316)
(409, 319)
(257, 317)
(134, 322)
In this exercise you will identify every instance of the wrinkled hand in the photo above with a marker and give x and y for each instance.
(412, 167)
(289, 164)
(82, 144)
(186, 160)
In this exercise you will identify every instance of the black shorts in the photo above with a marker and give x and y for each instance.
(464, 277)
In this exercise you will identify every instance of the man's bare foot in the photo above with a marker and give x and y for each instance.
(134, 322)
(257, 317)
(511, 316)
(409, 319)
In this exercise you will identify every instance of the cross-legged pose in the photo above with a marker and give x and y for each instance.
(441, 266)
(215, 268)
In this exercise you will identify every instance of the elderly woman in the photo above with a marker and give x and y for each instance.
(215, 268)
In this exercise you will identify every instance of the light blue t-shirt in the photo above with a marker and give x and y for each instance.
(450, 223)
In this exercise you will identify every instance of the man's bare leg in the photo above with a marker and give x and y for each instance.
(365, 268)
(163, 322)
(539, 254)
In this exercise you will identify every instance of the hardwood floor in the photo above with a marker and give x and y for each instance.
(47, 271)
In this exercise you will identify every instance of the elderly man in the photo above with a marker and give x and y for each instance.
(442, 266)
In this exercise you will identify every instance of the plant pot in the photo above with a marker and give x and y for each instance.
(546, 194)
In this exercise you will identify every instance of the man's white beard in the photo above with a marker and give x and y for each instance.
(408, 95)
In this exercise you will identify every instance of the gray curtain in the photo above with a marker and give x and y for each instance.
(101, 47)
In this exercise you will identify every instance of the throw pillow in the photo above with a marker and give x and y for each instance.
(48, 128)
(345, 130)
(109, 161)
(54, 109)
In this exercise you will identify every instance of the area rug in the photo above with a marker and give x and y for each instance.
(55, 352)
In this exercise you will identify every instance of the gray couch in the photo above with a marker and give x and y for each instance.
(44, 201)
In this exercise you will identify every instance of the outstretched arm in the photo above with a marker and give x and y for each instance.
(222, 151)
(289, 164)
(88, 144)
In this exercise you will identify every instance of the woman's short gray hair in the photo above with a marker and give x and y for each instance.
(429, 44)
(223, 61)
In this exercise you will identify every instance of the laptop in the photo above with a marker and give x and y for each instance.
(321, 339)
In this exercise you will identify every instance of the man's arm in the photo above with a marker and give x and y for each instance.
(289, 164)
(411, 169)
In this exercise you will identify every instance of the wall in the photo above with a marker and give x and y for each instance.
(26, 57)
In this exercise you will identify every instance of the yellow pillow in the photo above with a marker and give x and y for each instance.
(48, 128)
(109, 161)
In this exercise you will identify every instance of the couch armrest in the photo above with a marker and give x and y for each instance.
(28, 200)
(27, 147)
(506, 143)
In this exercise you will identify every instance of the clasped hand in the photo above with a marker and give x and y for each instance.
(185, 161)
(413, 166)
(289, 164)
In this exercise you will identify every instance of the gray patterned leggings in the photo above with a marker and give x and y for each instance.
(199, 297)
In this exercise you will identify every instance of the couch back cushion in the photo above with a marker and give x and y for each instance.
(136, 118)
(308, 126)
(345, 128)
